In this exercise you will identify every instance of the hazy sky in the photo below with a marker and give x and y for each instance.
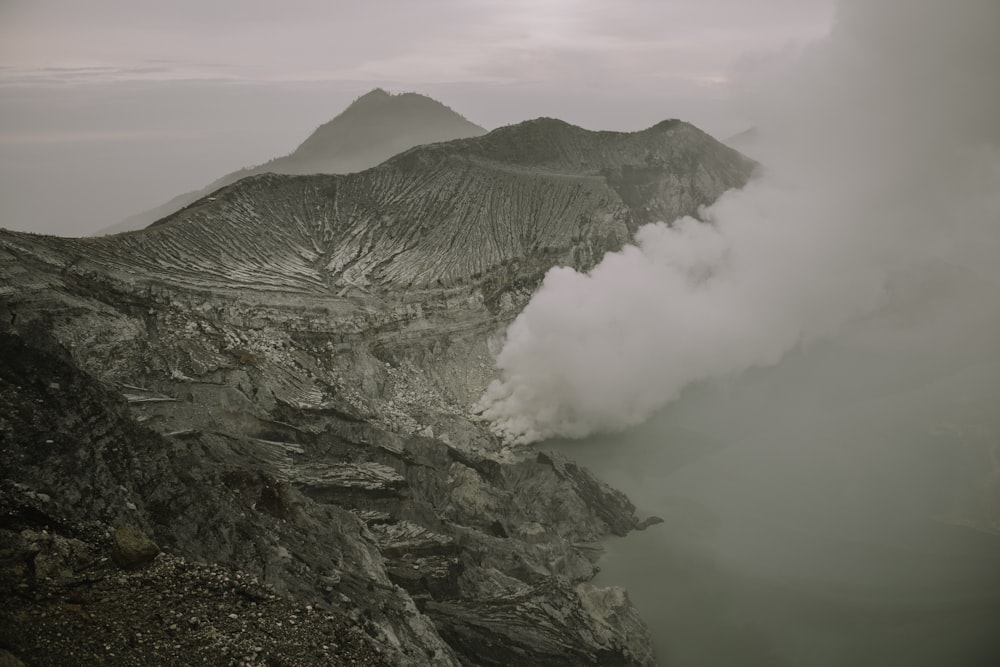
(110, 107)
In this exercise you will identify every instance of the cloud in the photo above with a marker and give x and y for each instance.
(429, 41)
(99, 74)
(882, 157)
(100, 136)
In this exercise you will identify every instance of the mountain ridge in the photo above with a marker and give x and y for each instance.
(373, 128)
(446, 194)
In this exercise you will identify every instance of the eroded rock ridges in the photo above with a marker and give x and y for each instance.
(394, 536)
(538, 193)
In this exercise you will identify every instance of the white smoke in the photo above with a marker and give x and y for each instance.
(881, 148)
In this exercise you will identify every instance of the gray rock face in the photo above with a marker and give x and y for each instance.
(175, 611)
(426, 523)
(278, 380)
(550, 624)
(207, 497)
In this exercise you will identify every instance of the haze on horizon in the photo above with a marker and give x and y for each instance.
(113, 107)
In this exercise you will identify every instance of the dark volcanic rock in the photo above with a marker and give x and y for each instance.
(198, 497)
(173, 612)
(545, 625)
(219, 500)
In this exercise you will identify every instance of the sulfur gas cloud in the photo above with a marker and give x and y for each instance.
(880, 153)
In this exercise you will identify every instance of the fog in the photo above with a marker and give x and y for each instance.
(880, 153)
(805, 385)
(837, 508)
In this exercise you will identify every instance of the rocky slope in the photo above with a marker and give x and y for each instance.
(67, 603)
(371, 527)
(372, 129)
(276, 380)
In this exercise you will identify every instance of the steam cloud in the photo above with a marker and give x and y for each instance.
(881, 148)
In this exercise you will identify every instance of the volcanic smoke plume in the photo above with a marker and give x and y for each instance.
(881, 154)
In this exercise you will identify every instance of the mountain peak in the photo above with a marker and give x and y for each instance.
(399, 121)
(374, 95)
(402, 103)
(375, 127)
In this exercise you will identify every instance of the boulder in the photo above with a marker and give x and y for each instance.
(132, 548)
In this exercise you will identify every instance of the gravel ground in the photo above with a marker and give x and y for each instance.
(88, 611)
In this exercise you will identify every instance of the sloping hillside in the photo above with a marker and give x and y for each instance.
(524, 197)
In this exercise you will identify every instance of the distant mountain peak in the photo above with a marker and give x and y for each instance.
(375, 93)
(666, 124)
(372, 129)
(380, 115)
(381, 98)
(376, 96)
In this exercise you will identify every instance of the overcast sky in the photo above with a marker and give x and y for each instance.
(110, 107)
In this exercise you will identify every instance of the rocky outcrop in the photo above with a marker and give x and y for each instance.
(546, 625)
(65, 603)
(205, 497)
(414, 528)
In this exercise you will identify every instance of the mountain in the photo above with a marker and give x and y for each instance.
(372, 129)
(277, 380)
(451, 215)
(745, 142)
